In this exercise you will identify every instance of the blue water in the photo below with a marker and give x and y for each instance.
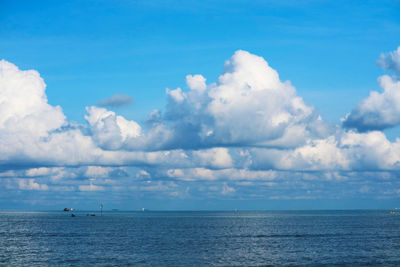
(275, 238)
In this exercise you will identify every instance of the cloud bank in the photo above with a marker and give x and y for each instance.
(248, 130)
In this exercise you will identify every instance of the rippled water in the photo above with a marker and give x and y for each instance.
(300, 238)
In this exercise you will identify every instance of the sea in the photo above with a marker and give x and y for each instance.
(200, 238)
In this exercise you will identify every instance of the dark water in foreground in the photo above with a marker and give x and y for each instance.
(303, 238)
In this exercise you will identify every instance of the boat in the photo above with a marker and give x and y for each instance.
(67, 209)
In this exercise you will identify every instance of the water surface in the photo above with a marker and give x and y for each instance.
(244, 238)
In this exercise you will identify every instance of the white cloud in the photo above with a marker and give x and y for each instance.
(250, 88)
(347, 151)
(38, 171)
(248, 128)
(390, 61)
(317, 155)
(56, 172)
(23, 105)
(248, 105)
(109, 130)
(99, 171)
(379, 110)
(91, 187)
(212, 115)
(215, 157)
(26, 119)
(32, 132)
(30, 184)
(371, 151)
(196, 82)
(143, 174)
(193, 174)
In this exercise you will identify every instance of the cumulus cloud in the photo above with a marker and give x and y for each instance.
(248, 106)
(379, 110)
(117, 100)
(202, 129)
(348, 151)
(248, 129)
(109, 130)
(25, 113)
(30, 184)
(320, 154)
(28, 124)
(36, 134)
(216, 157)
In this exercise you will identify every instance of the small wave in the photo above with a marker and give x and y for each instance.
(282, 236)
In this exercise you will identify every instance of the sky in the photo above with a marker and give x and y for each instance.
(199, 105)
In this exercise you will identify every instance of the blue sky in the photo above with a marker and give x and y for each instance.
(116, 129)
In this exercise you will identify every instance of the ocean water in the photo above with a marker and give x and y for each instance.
(199, 238)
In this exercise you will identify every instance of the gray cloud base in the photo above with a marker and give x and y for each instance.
(117, 100)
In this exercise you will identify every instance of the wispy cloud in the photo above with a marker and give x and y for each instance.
(117, 100)
(390, 61)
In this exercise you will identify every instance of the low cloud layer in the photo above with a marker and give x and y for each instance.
(246, 131)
